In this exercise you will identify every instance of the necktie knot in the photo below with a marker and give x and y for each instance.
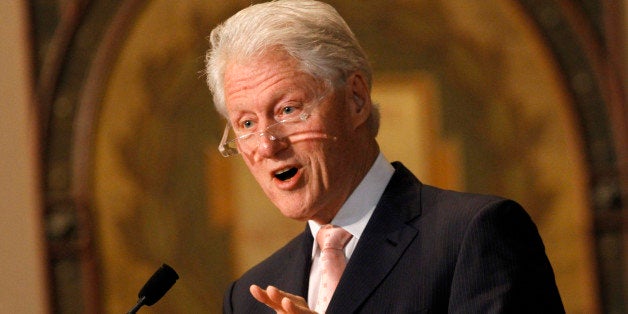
(332, 237)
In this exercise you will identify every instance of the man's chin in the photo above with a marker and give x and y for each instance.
(294, 214)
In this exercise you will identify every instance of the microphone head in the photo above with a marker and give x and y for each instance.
(158, 284)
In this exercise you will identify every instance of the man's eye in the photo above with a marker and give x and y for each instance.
(247, 124)
(290, 109)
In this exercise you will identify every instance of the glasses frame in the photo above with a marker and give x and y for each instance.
(227, 151)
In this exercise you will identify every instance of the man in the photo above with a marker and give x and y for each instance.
(294, 85)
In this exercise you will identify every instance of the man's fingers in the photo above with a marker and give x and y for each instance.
(262, 295)
(276, 295)
(271, 296)
(290, 306)
(289, 303)
(280, 301)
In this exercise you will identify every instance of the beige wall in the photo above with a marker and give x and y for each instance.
(22, 288)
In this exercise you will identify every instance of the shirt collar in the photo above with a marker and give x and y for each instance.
(358, 208)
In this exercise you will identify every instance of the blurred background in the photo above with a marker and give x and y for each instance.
(109, 167)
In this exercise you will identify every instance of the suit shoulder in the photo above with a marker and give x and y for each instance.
(434, 194)
(463, 205)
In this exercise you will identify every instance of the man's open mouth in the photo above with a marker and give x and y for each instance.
(286, 174)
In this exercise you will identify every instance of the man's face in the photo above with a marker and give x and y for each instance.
(308, 176)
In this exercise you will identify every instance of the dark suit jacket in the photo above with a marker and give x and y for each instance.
(424, 250)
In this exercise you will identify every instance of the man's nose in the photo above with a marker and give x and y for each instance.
(269, 145)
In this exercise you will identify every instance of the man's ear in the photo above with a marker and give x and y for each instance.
(358, 97)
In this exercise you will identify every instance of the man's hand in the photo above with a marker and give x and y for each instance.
(280, 301)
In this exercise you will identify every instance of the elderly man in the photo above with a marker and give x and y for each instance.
(294, 86)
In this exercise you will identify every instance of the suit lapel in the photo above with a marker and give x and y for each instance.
(383, 242)
(296, 276)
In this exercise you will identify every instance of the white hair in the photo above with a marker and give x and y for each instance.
(312, 32)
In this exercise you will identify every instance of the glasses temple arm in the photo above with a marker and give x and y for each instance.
(225, 150)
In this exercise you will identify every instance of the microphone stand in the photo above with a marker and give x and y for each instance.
(137, 306)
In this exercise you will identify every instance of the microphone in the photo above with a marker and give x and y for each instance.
(155, 288)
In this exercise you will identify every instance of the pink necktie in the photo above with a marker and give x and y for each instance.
(331, 240)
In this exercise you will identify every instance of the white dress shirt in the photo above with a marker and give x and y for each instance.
(353, 216)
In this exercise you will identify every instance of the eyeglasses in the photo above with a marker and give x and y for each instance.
(290, 125)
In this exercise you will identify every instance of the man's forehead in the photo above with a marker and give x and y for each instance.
(271, 79)
(251, 70)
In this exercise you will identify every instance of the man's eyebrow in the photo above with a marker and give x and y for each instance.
(283, 94)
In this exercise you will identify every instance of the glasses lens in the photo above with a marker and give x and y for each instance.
(228, 149)
(248, 142)
(287, 127)
(277, 131)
